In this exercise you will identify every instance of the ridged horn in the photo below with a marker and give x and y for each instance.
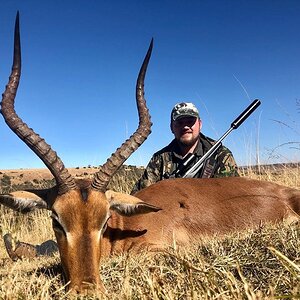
(102, 177)
(64, 180)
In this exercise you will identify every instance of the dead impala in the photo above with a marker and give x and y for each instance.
(90, 221)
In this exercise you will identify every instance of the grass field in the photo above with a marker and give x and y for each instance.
(262, 263)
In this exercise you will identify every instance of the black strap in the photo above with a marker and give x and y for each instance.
(209, 166)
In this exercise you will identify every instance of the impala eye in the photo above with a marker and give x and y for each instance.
(56, 224)
(105, 224)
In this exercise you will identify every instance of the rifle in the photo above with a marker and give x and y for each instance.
(185, 172)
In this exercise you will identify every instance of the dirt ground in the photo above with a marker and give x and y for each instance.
(22, 175)
(20, 179)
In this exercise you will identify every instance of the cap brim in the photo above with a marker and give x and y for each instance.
(184, 116)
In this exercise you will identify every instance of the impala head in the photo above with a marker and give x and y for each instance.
(79, 211)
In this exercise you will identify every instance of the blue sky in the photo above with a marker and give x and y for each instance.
(81, 59)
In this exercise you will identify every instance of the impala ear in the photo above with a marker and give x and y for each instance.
(127, 205)
(27, 201)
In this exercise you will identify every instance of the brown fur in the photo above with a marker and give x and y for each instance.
(192, 208)
(79, 242)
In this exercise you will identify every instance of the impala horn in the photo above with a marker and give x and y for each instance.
(64, 180)
(102, 177)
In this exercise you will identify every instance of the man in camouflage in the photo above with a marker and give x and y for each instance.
(186, 126)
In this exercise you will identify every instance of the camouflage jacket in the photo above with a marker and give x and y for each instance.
(167, 160)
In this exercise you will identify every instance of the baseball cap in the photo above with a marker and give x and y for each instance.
(184, 109)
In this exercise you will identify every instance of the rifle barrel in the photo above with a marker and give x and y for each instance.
(245, 114)
(234, 125)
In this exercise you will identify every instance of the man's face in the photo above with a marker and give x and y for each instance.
(186, 130)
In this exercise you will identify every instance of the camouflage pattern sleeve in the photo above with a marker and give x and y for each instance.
(152, 174)
(226, 165)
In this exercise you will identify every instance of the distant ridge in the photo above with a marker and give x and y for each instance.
(270, 167)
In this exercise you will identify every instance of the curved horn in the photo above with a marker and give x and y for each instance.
(101, 178)
(63, 179)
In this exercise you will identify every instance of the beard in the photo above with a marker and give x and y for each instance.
(187, 141)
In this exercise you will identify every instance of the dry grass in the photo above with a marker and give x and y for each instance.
(263, 263)
(286, 174)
